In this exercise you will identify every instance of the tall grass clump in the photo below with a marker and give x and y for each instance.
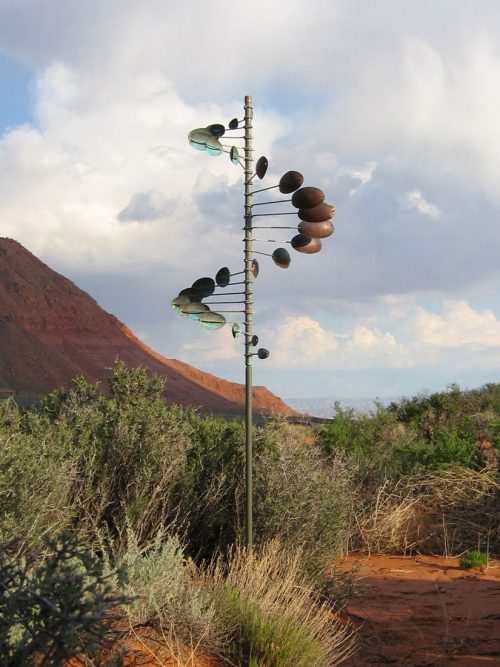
(473, 558)
(441, 512)
(273, 616)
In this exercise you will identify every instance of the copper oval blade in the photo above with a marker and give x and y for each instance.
(318, 213)
(290, 182)
(306, 244)
(308, 197)
(318, 230)
(281, 257)
(261, 166)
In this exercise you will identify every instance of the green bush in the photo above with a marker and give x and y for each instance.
(303, 501)
(36, 481)
(298, 498)
(54, 605)
(83, 460)
(97, 464)
(414, 436)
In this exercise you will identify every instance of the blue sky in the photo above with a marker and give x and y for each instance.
(15, 108)
(391, 109)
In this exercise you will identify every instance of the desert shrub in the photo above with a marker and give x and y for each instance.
(273, 616)
(129, 448)
(112, 457)
(165, 593)
(54, 604)
(446, 447)
(297, 496)
(441, 512)
(472, 413)
(303, 501)
(96, 463)
(36, 480)
(210, 486)
(411, 438)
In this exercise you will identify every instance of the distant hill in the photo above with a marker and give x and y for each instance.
(325, 406)
(51, 331)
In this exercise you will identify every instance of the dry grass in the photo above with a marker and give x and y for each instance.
(274, 617)
(443, 512)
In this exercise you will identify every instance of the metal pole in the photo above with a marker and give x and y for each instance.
(248, 319)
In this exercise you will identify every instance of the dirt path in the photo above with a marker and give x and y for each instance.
(413, 612)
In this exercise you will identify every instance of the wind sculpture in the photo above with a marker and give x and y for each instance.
(195, 302)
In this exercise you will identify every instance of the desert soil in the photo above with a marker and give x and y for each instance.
(409, 612)
(424, 610)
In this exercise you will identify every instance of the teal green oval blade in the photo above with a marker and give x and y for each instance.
(198, 138)
(194, 310)
(212, 320)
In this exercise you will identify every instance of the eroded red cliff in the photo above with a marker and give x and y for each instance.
(51, 331)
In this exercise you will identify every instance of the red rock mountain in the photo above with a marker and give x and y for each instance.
(51, 331)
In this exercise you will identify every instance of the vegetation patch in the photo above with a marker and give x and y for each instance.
(472, 559)
(119, 501)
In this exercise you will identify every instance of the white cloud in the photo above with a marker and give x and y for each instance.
(404, 336)
(146, 206)
(301, 342)
(416, 199)
(459, 326)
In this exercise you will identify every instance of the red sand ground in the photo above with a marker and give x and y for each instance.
(421, 611)
(409, 612)
(148, 652)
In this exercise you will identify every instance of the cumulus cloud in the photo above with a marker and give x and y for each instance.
(146, 206)
(459, 325)
(402, 336)
(301, 342)
(405, 127)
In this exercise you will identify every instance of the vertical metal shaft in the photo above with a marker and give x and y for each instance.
(248, 320)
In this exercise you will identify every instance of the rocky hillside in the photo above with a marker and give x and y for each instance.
(51, 331)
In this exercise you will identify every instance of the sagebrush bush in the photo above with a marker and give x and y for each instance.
(36, 482)
(97, 463)
(304, 501)
(162, 584)
(297, 496)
